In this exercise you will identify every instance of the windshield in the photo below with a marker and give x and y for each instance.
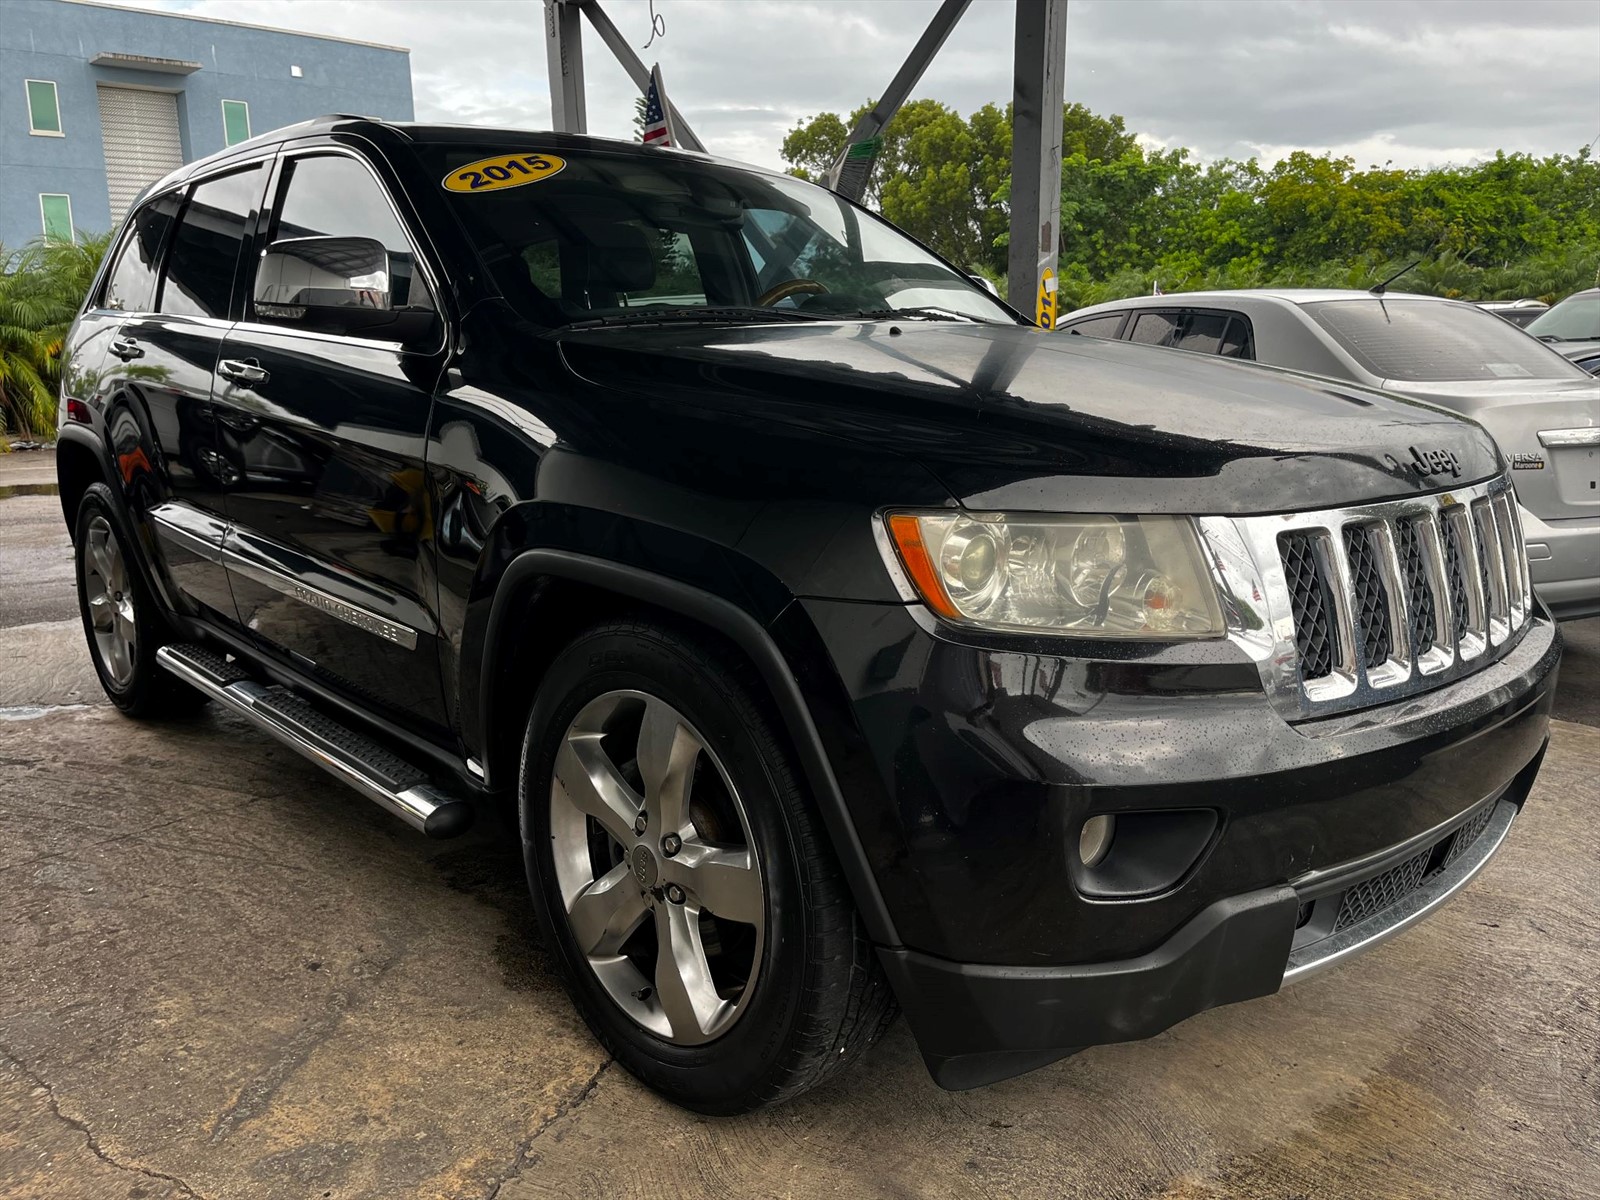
(1428, 341)
(586, 235)
(1575, 319)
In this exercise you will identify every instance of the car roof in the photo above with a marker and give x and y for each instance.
(426, 133)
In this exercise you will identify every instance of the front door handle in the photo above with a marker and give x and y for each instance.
(244, 371)
(126, 348)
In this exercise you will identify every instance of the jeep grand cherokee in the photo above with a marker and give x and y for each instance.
(838, 640)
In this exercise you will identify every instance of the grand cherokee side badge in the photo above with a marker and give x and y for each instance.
(1434, 462)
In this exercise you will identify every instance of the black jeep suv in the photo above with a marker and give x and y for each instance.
(839, 640)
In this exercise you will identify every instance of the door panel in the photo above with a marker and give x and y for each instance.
(330, 552)
(164, 357)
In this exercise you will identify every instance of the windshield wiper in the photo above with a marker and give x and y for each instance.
(1550, 337)
(913, 314)
(720, 314)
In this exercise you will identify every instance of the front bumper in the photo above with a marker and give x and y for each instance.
(980, 1024)
(986, 761)
(1564, 564)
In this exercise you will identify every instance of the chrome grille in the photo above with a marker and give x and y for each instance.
(1351, 607)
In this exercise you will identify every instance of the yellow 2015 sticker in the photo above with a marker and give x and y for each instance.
(502, 171)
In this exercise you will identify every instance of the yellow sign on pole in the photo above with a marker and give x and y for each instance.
(1046, 315)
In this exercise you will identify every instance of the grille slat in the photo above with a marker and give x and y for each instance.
(1421, 617)
(1312, 603)
(1370, 608)
(1455, 569)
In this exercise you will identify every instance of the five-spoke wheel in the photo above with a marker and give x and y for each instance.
(653, 856)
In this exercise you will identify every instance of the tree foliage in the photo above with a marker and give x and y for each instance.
(1133, 216)
(42, 286)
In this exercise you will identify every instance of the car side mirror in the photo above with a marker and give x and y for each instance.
(347, 285)
(986, 284)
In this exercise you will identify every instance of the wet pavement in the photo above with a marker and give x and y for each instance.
(224, 976)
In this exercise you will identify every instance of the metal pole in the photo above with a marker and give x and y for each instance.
(1041, 55)
(848, 176)
(563, 50)
(637, 71)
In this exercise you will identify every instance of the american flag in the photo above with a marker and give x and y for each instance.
(656, 129)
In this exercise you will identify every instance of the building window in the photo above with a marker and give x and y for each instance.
(44, 110)
(55, 213)
(235, 122)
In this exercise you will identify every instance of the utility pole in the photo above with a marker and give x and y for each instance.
(1040, 59)
(563, 53)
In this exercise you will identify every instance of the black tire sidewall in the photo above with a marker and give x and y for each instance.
(144, 689)
(729, 1073)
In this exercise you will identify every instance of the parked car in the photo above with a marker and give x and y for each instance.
(1519, 312)
(1544, 412)
(837, 641)
(1572, 329)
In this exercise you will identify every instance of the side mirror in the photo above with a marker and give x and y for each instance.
(986, 285)
(349, 285)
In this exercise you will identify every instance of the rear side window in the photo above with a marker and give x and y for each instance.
(1239, 341)
(131, 286)
(205, 249)
(1431, 341)
(1154, 328)
(1101, 327)
(1199, 332)
(331, 196)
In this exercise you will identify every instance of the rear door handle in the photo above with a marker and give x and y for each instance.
(246, 371)
(126, 348)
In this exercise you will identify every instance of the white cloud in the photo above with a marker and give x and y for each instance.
(1418, 82)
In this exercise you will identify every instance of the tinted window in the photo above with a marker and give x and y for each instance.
(1423, 341)
(205, 249)
(1102, 327)
(1200, 332)
(334, 196)
(1154, 329)
(131, 286)
(1239, 341)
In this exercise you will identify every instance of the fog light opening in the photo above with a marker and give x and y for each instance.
(1094, 840)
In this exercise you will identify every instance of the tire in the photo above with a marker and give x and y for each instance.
(773, 986)
(121, 621)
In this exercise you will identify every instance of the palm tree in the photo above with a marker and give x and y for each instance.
(41, 288)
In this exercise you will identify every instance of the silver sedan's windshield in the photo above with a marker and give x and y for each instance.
(587, 236)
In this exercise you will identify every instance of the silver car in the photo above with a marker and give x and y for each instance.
(1543, 410)
(1572, 329)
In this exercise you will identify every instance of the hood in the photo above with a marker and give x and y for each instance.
(1587, 348)
(1013, 418)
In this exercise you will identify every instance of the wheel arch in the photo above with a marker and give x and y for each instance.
(80, 461)
(564, 592)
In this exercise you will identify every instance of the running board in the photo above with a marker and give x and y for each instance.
(351, 757)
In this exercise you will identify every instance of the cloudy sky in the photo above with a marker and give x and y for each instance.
(1415, 82)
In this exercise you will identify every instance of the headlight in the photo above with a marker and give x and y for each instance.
(1090, 576)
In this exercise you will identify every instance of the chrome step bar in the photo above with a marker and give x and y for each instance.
(349, 756)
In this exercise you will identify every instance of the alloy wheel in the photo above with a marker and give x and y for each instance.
(109, 594)
(656, 867)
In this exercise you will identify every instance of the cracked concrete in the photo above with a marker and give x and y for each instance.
(224, 977)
